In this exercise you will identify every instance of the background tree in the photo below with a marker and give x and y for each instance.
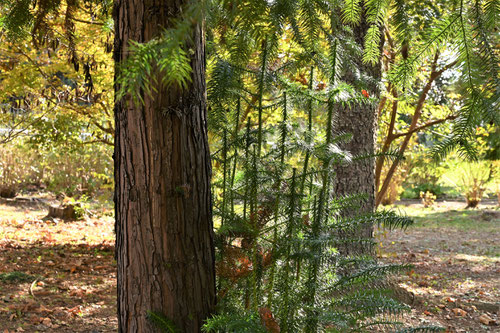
(360, 119)
(53, 74)
(455, 34)
(56, 95)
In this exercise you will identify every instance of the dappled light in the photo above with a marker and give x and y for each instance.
(228, 166)
(55, 274)
(456, 258)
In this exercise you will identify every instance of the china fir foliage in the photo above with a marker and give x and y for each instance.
(465, 31)
(274, 70)
(273, 89)
(278, 266)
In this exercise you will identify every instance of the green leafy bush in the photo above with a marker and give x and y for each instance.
(424, 175)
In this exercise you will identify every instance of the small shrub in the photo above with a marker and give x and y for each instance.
(18, 168)
(424, 175)
(68, 170)
(428, 199)
(77, 170)
(473, 180)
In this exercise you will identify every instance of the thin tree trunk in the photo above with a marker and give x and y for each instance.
(412, 129)
(389, 138)
(164, 247)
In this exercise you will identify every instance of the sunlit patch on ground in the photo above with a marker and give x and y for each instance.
(56, 276)
(456, 256)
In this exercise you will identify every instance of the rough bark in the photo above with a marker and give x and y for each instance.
(164, 234)
(358, 177)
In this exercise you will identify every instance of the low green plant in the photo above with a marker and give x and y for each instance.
(18, 167)
(16, 277)
(81, 206)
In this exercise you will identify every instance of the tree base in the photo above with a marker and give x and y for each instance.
(8, 192)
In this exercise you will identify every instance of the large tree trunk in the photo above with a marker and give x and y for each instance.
(164, 234)
(358, 177)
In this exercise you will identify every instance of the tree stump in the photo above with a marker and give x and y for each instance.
(65, 211)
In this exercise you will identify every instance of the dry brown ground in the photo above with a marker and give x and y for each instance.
(58, 276)
(55, 276)
(456, 258)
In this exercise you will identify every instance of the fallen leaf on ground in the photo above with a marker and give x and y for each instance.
(485, 319)
(100, 267)
(423, 283)
(47, 322)
(75, 311)
(34, 319)
(459, 312)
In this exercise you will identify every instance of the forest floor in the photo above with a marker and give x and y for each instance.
(455, 281)
(58, 276)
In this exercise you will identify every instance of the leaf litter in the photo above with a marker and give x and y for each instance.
(56, 276)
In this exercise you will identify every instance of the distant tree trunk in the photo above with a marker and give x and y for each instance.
(164, 234)
(361, 121)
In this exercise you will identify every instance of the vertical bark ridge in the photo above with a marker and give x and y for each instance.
(358, 177)
(165, 251)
